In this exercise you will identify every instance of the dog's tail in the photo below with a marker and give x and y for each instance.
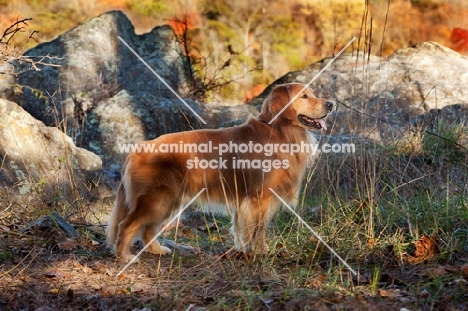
(121, 208)
(119, 212)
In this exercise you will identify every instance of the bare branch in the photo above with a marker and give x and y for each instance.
(34, 62)
(18, 26)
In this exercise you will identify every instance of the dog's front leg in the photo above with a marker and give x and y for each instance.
(248, 226)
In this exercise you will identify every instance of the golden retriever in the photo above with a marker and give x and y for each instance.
(156, 184)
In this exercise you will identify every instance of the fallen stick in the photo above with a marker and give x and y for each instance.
(185, 249)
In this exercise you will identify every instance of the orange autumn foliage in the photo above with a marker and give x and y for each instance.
(459, 39)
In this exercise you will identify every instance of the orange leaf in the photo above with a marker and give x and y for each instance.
(68, 244)
(316, 282)
(426, 248)
(215, 238)
(389, 293)
(313, 239)
(54, 291)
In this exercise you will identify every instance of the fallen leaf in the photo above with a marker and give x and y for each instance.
(360, 297)
(316, 282)
(426, 248)
(313, 239)
(392, 293)
(121, 291)
(68, 244)
(215, 238)
(187, 232)
(54, 291)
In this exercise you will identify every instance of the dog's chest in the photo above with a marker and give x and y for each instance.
(313, 143)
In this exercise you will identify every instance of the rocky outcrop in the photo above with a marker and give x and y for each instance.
(40, 160)
(90, 63)
(400, 88)
(90, 84)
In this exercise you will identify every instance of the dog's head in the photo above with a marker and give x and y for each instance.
(297, 105)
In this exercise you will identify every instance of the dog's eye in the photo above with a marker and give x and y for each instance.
(304, 96)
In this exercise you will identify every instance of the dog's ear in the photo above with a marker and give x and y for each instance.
(279, 97)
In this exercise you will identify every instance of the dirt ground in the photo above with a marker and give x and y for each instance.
(44, 269)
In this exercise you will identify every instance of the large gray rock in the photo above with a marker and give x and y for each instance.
(90, 63)
(36, 160)
(101, 94)
(399, 88)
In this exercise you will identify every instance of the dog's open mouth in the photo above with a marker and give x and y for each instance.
(315, 123)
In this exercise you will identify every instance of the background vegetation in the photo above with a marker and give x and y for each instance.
(255, 42)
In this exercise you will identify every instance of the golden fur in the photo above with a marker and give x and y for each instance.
(155, 185)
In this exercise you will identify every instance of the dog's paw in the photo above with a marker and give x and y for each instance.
(165, 250)
(160, 250)
(126, 258)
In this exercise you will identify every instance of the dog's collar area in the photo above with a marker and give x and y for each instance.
(314, 123)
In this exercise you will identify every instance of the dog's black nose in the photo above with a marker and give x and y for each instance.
(329, 105)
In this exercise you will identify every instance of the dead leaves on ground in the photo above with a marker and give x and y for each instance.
(68, 244)
(426, 249)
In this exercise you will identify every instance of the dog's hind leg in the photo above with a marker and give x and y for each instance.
(151, 210)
